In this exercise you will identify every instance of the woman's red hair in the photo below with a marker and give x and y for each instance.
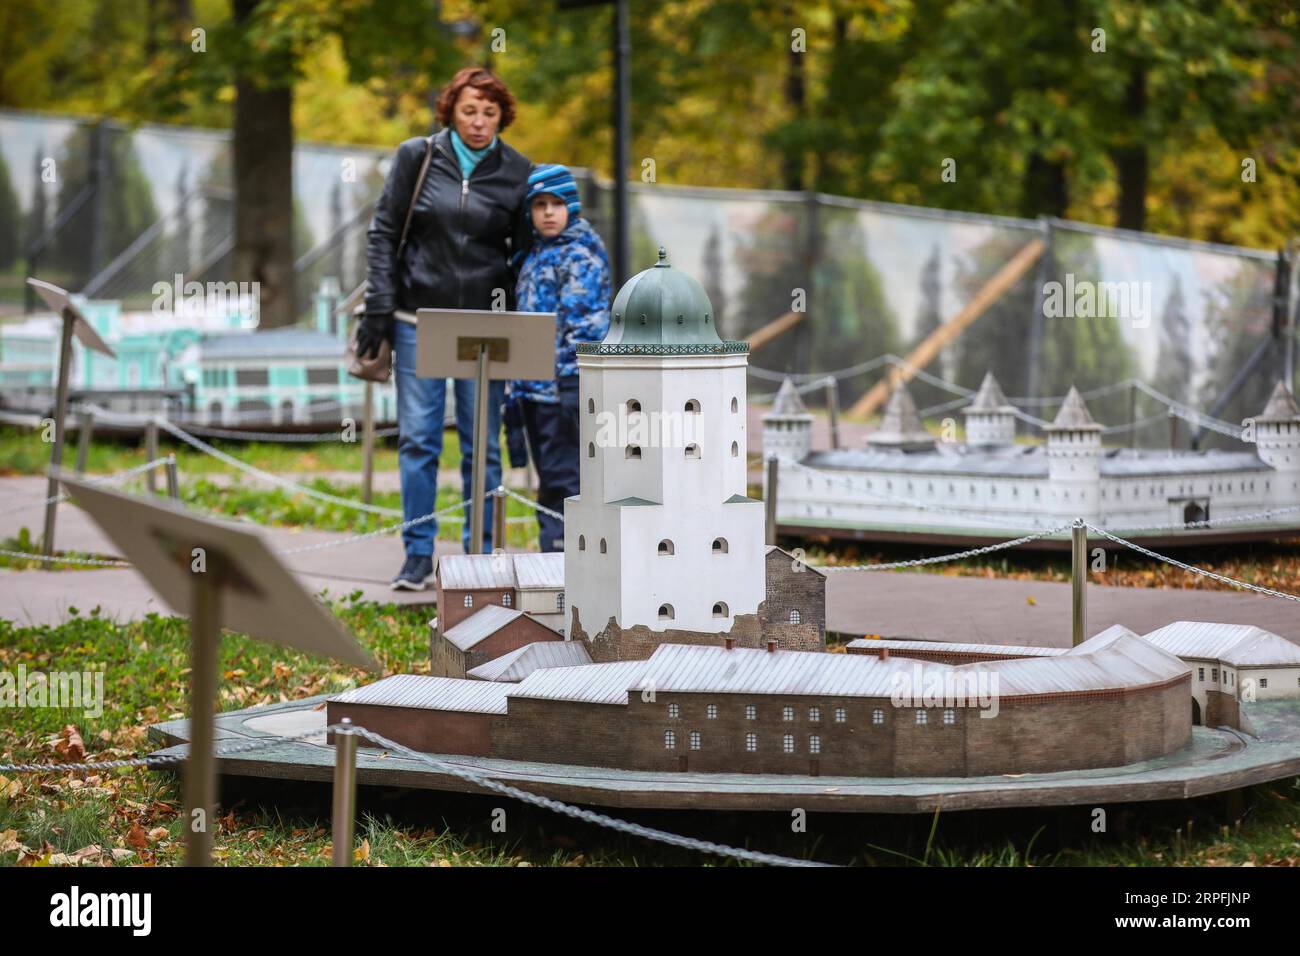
(487, 83)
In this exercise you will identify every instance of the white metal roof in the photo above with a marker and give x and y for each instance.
(591, 683)
(543, 571)
(430, 693)
(487, 571)
(518, 664)
(483, 623)
(475, 571)
(1115, 662)
(1000, 650)
(1241, 645)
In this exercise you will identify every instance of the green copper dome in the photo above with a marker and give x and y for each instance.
(662, 306)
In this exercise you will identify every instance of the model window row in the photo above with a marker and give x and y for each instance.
(692, 405)
(666, 546)
(696, 742)
(840, 714)
(690, 451)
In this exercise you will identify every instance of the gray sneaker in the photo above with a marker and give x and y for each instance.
(414, 574)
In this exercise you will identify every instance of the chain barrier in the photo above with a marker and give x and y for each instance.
(939, 559)
(451, 769)
(578, 813)
(209, 432)
(1223, 579)
(98, 480)
(536, 506)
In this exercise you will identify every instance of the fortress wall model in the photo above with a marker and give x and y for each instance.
(874, 738)
(428, 731)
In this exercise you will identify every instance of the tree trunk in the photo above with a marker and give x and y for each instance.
(263, 161)
(792, 162)
(1130, 159)
(1045, 191)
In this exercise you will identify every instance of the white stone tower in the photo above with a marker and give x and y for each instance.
(990, 418)
(1277, 442)
(1074, 459)
(662, 533)
(787, 428)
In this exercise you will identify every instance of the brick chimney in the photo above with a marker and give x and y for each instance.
(884, 653)
(730, 643)
(771, 645)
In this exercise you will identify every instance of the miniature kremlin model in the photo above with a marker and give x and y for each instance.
(670, 637)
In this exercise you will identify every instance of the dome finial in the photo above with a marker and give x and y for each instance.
(663, 259)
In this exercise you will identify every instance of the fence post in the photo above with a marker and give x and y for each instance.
(151, 452)
(1132, 414)
(498, 520)
(769, 503)
(83, 440)
(345, 794)
(368, 444)
(173, 479)
(833, 406)
(1078, 581)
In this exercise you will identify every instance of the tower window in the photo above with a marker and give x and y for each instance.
(719, 545)
(665, 546)
(582, 542)
(633, 405)
(795, 617)
(735, 450)
(692, 451)
(665, 612)
(602, 546)
(559, 601)
(632, 451)
(692, 406)
(591, 449)
(720, 609)
(591, 405)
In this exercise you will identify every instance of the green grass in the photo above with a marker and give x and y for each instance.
(145, 672)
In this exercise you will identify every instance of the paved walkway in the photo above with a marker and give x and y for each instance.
(891, 604)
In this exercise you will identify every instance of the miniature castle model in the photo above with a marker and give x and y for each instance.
(693, 646)
(906, 480)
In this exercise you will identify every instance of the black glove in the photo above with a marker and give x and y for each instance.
(373, 330)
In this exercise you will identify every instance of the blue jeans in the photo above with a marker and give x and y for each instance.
(421, 411)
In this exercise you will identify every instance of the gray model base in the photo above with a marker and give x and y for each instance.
(1217, 760)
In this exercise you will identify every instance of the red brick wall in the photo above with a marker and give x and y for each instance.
(429, 731)
(452, 609)
(1056, 732)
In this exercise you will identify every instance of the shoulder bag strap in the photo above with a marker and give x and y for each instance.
(415, 194)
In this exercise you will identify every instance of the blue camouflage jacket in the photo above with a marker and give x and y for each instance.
(568, 275)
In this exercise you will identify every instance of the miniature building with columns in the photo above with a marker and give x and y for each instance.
(904, 481)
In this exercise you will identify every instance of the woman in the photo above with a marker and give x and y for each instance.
(465, 224)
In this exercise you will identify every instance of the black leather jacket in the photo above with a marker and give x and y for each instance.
(463, 231)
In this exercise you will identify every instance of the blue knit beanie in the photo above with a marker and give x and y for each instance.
(558, 181)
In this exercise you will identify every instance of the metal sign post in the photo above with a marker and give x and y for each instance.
(74, 324)
(487, 345)
(222, 576)
(1078, 582)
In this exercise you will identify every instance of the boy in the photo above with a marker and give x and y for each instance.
(566, 272)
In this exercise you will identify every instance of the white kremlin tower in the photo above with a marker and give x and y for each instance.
(662, 534)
